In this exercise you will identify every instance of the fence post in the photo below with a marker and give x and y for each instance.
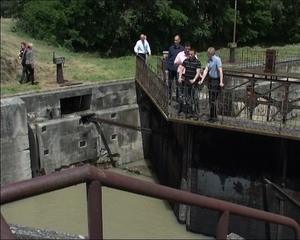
(285, 103)
(222, 227)
(94, 209)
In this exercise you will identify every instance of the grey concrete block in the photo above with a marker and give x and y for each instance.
(15, 167)
(13, 118)
(113, 95)
(10, 145)
(65, 141)
(57, 140)
(102, 96)
(127, 143)
(15, 157)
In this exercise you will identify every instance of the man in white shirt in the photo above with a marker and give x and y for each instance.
(142, 47)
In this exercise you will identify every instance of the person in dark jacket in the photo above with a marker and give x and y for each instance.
(171, 67)
(24, 76)
(29, 63)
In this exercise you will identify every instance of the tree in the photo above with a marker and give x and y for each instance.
(111, 27)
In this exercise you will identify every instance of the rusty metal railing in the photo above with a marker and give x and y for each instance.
(152, 82)
(264, 104)
(286, 62)
(95, 179)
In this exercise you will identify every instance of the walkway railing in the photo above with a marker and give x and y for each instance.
(284, 61)
(95, 179)
(263, 104)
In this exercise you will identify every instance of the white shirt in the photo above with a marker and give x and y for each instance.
(141, 47)
(181, 56)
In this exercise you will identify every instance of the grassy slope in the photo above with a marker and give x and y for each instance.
(83, 67)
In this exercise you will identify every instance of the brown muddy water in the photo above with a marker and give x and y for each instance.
(125, 215)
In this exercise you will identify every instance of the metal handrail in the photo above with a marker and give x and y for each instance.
(256, 104)
(95, 178)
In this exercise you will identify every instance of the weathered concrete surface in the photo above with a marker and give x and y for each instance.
(47, 105)
(15, 157)
(22, 232)
(62, 142)
(221, 164)
(57, 138)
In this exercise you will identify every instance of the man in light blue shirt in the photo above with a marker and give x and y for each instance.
(142, 47)
(215, 81)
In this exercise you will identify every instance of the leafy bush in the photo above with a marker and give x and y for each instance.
(112, 27)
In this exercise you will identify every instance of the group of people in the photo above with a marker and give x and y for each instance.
(184, 70)
(26, 57)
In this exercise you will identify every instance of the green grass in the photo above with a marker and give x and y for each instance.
(15, 88)
(79, 67)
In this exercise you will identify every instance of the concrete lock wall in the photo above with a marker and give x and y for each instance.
(56, 137)
(221, 164)
(15, 157)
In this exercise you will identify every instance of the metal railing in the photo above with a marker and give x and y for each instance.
(151, 81)
(287, 62)
(260, 103)
(95, 179)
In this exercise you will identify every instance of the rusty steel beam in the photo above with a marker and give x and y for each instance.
(238, 72)
(122, 125)
(222, 226)
(158, 191)
(96, 119)
(281, 191)
(94, 200)
(5, 230)
(103, 138)
(44, 184)
(69, 177)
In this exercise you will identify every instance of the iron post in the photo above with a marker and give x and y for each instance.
(94, 208)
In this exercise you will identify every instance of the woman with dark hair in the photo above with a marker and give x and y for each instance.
(22, 49)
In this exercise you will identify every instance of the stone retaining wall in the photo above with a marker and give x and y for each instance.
(42, 132)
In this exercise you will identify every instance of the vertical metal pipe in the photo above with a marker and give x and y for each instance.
(222, 227)
(234, 24)
(285, 103)
(94, 209)
(269, 100)
(5, 230)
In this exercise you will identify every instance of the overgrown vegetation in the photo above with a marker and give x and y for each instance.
(112, 27)
(79, 67)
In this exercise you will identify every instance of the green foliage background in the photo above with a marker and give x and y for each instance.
(111, 27)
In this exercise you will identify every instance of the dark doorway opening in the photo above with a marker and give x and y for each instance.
(75, 104)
